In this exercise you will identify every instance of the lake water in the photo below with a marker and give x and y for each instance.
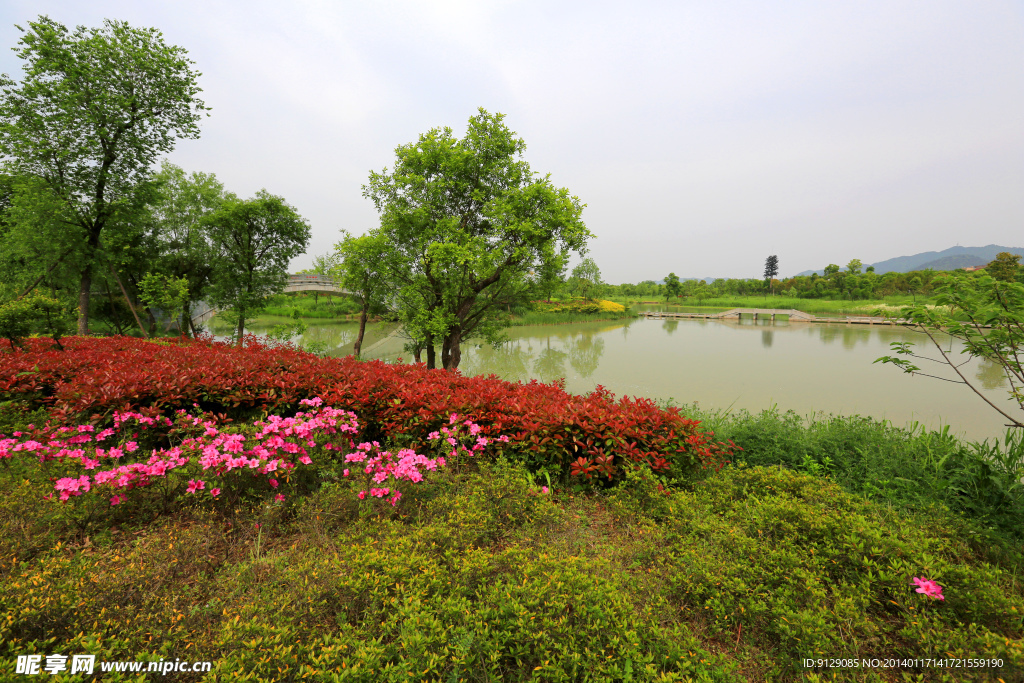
(806, 367)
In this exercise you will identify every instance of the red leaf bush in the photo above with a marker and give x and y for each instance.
(589, 436)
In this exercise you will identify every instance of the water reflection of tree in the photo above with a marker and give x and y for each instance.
(585, 353)
(670, 326)
(991, 375)
(849, 335)
(335, 338)
(549, 364)
(509, 361)
(767, 338)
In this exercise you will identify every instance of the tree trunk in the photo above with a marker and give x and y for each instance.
(241, 326)
(83, 301)
(416, 354)
(451, 351)
(431, 353)
(362, 328)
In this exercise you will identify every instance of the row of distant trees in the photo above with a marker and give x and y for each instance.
(835, 283)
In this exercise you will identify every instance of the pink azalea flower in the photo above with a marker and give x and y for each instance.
(362, 495)
(929, 588)
(305, 460)
(214, 492)
(116, 500)
(195, 485)
(273, 483)
(279, 498)
(544, 489)
(345, 473)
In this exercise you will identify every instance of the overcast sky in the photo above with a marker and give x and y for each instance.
(701, 135)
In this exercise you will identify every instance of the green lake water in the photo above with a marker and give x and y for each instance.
(806, 367)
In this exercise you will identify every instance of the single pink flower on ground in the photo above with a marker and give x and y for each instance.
(279, 498)
(544, 489)
(929, 588)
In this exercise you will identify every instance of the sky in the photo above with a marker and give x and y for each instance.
(702, 136)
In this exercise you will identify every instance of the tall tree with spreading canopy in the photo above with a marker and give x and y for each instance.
(94, 110)
(466, 220)
(253, 242)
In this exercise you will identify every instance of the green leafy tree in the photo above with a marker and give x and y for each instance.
(550, 275)
(361, 267)
(672, 286)
(94, 110)
(854, 266)
(771, 270)
(987, 315)
(831, 270)
(1004, 267)
(20, 317)
(466, 220)
(183, 200)
(169, 294)
(253, 242)
(586, 276)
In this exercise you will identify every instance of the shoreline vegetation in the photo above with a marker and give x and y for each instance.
(505, 566)
(341, 309)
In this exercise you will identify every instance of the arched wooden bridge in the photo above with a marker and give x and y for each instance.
(295, 283)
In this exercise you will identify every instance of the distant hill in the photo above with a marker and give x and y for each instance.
(948, 259)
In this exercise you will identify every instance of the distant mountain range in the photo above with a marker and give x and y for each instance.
(948, 259)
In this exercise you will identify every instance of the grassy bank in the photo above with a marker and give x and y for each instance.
(824, 306)
(570, 311)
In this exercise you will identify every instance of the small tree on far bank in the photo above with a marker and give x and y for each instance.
(1004, 267)
(586, 276)
(672, 286)
(254, 240)
(771, 271)
(361, 268)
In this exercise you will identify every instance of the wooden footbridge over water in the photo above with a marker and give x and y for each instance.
(791, 314)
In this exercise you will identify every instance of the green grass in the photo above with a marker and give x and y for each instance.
(907, 468)
(478, 576)
(844, 307)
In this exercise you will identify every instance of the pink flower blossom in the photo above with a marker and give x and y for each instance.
(195, 485)
(214, 492)
(116, 500)
(273, 483)
(279, 498)
(929, 588)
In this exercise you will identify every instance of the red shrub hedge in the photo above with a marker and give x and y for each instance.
(588, 435)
